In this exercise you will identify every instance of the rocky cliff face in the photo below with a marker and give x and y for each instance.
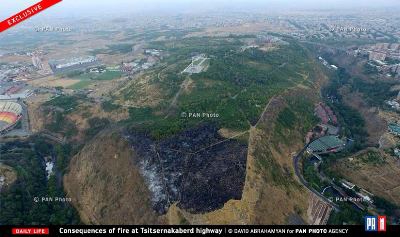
(106, 186)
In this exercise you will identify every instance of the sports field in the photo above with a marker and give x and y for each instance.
(86, 79)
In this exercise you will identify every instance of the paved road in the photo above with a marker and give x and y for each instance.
(296, 160)
(25, 118)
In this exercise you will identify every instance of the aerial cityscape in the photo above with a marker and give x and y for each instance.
(196, 115)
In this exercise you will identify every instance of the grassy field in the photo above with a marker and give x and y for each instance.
(80, 85)
(373, 170)
(105, 76)
(86, 79)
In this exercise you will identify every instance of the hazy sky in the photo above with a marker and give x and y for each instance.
(8, 7)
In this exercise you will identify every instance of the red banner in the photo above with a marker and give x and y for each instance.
(30, 231)
(27, 13)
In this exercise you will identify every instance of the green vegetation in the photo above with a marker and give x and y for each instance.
(372, 157)
(369, 69)
(17, 203)
(80, 85)
(348, 215)
(387, 206)
(291, 124)
(351, 121)
(286, 118)
(310, 174)
(270, 168)
(58, 109)
(18, 125)
(157, 127)
(375, 93)
(61, 124)
(141, 114)
(120, 48)
(108, 75)
(73, 74)
(95, 126)
(150, 35)
(87, 78)
(114, 49)
(237, 84)
(299, 114)
(108, 106)
(104, 76)
(392, 61)
(63, 152)
(66, 103)
(353, 126)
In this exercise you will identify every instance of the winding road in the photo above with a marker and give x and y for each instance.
(296, 160)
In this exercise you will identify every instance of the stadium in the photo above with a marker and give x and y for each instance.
(10, 114)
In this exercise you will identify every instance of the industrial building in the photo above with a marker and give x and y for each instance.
(68, 65)
(327, 144)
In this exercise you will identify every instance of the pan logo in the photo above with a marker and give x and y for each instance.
(373, 223)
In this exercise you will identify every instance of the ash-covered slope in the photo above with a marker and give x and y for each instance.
(198, 169)
(128, 178)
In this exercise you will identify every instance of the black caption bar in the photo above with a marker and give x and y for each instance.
(108, 230)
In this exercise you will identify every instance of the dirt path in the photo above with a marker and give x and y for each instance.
(262, 114)
(208, 147)
(212, 145)
(174, 102)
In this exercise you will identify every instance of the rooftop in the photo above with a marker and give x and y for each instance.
(327, 144)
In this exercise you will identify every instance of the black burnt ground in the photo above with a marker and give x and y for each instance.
(198, 169)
